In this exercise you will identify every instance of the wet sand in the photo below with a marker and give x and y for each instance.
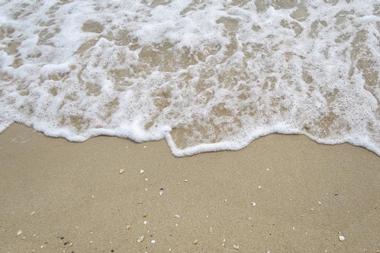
(280, 194)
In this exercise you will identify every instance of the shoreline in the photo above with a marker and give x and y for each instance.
(281, 193)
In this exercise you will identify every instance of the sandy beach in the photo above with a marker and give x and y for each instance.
(280, 194)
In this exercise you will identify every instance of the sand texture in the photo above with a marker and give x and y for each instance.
(280, 194)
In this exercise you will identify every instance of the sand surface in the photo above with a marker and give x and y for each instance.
(280, 194)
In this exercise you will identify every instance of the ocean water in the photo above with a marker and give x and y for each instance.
(205, 75)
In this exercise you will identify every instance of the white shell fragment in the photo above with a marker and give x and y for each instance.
(140, 239)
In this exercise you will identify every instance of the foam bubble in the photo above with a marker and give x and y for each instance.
(204, 75)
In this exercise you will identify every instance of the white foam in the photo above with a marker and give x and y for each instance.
(204, 75)
(4, 124)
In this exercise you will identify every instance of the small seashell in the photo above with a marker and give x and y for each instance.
(140, 239)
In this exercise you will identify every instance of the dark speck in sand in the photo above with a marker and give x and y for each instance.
(336, 194)
(112, 250)
(65, 243)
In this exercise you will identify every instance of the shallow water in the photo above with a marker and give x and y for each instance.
(205, 75)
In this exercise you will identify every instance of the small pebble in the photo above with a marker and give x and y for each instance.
(342, 238)
(121, 171)
(153, 241)
(236, 246)
(195, 242)
(128, 227)
(253, 203)
(32, 213)
(19, 232)
(142, 171)
(259, 187)
(186, 180)
(140, 239)
(177, 216)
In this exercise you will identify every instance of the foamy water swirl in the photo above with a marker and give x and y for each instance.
(204, 74)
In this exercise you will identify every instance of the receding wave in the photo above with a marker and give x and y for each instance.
(204, 74)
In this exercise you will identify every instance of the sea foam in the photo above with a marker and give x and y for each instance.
(205, 75)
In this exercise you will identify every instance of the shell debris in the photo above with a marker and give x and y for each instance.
(19, 232)
(236, 246)
(121, 171)
(342, 238)
(140, 239)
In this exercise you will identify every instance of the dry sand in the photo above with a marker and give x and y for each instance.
(58, 196)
